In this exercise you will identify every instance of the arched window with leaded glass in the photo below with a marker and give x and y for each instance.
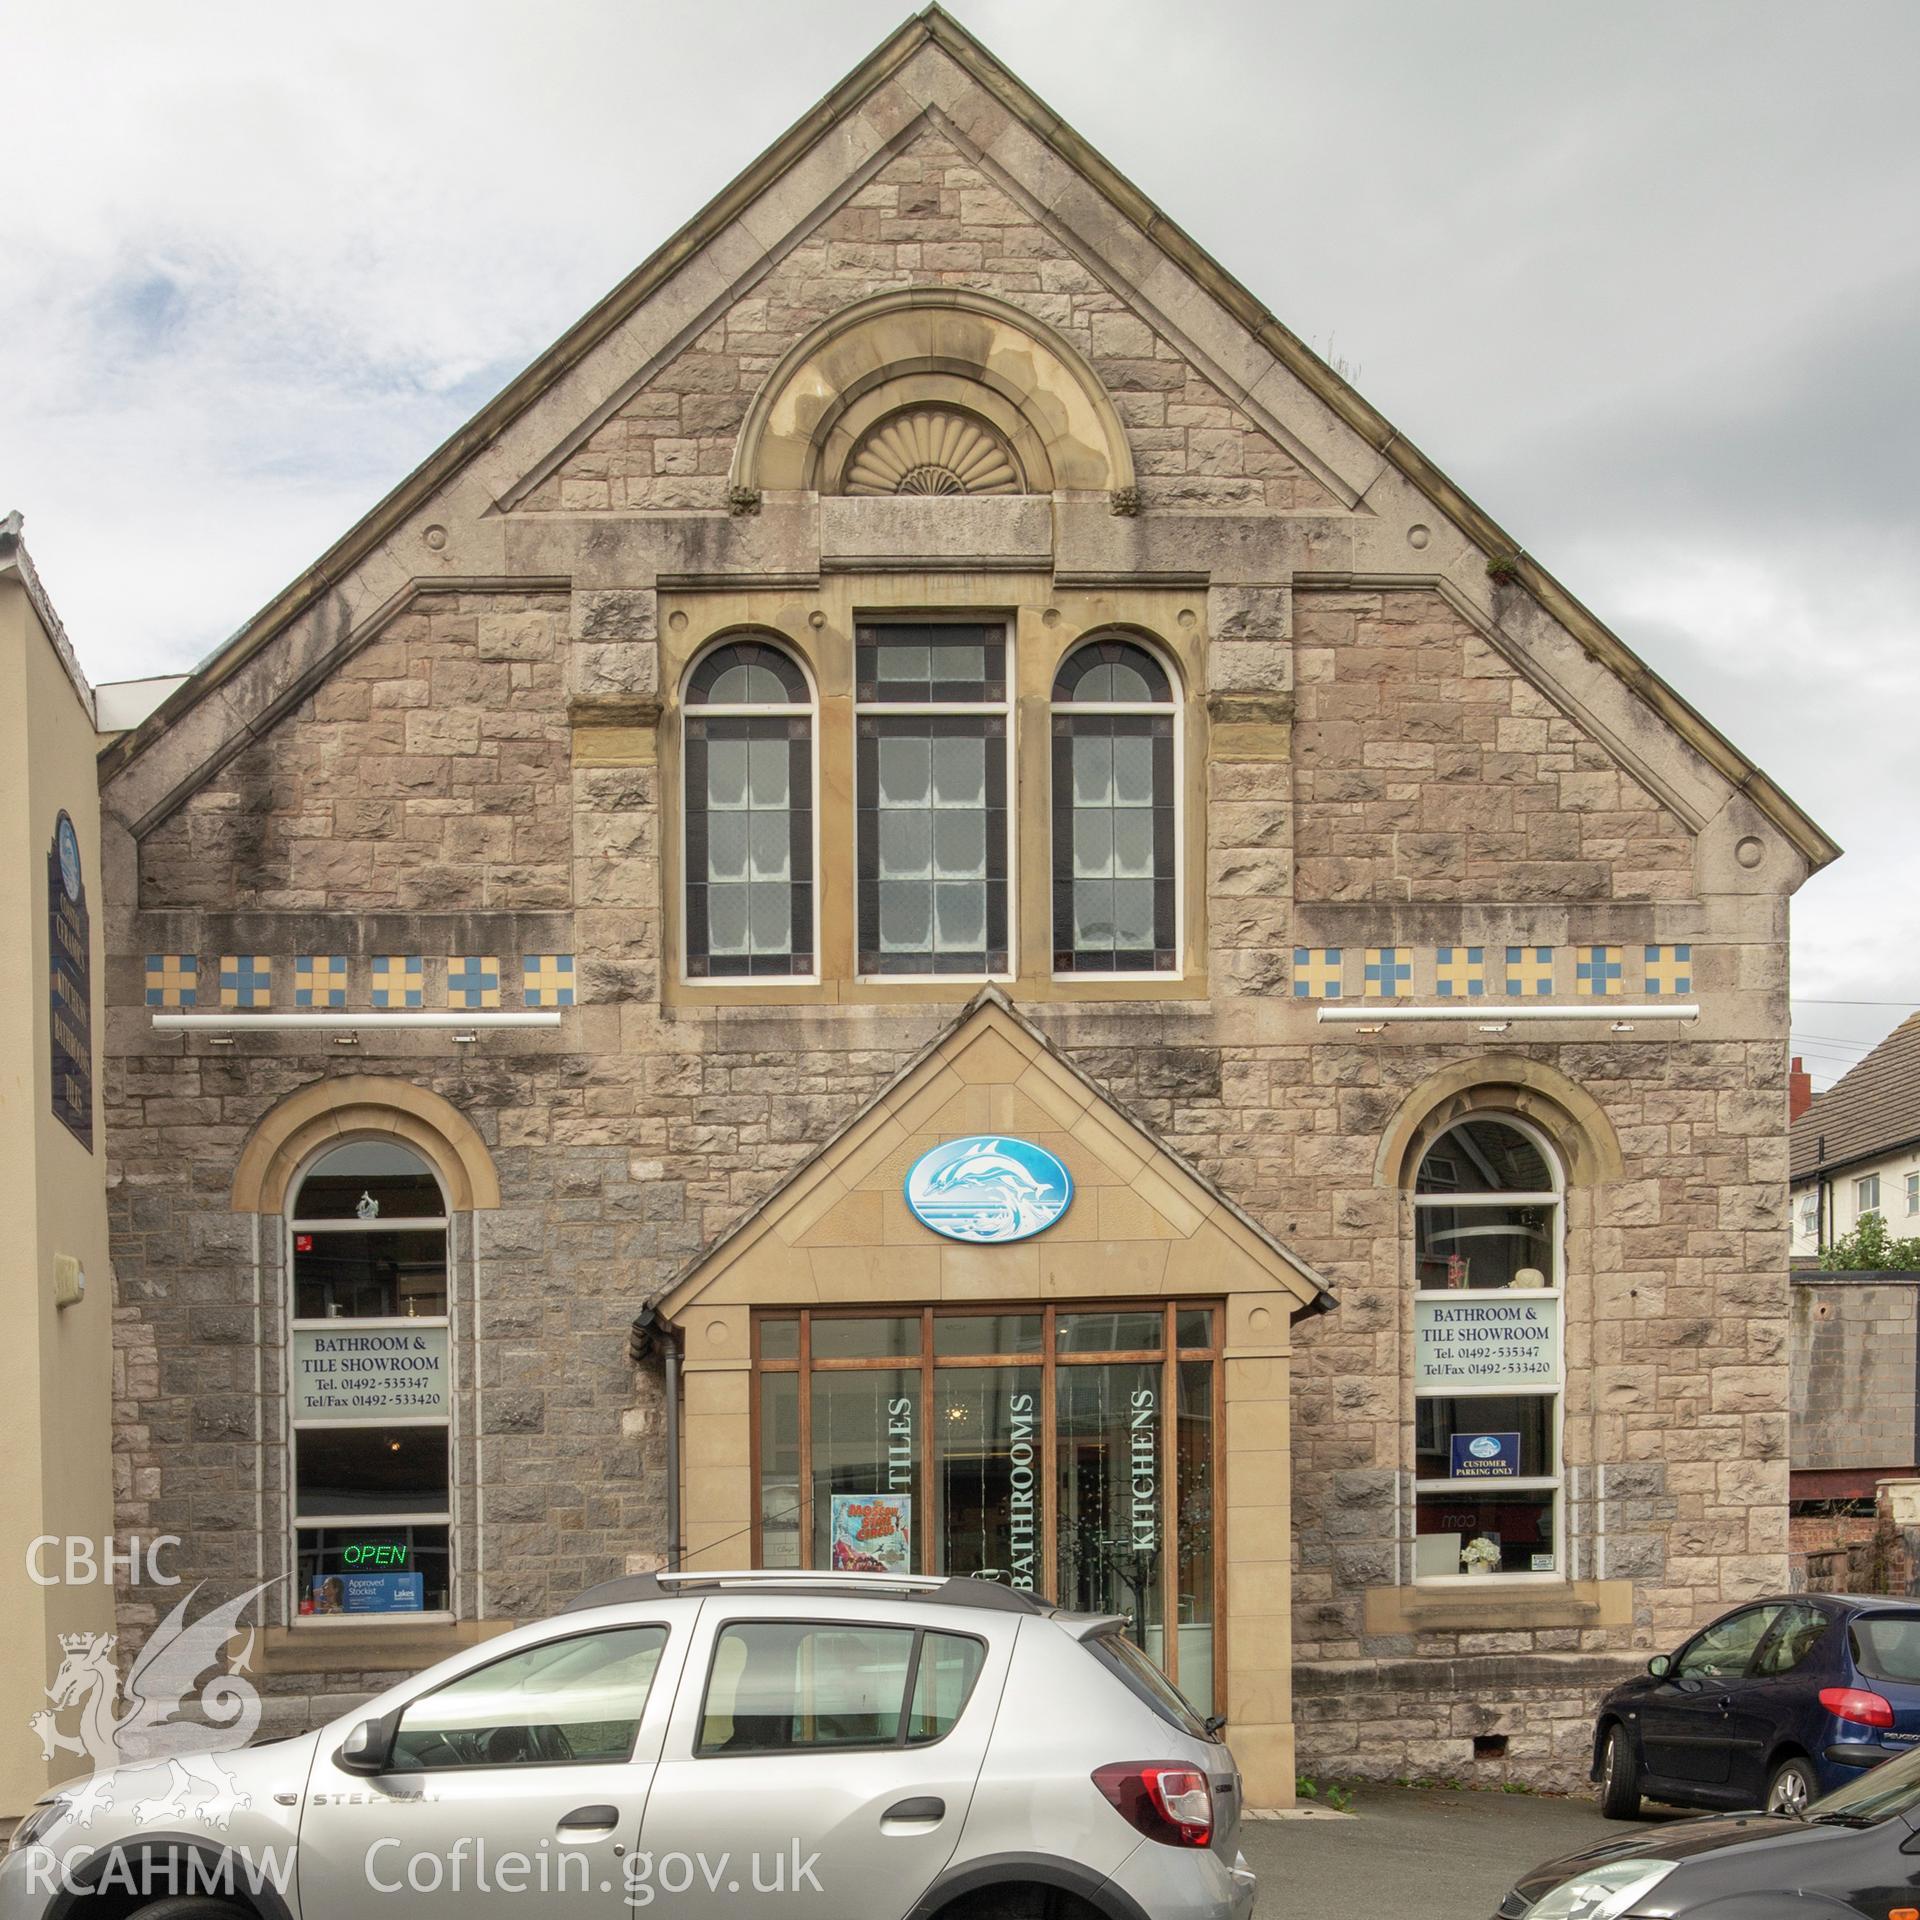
(1116, 829)
(748, 814)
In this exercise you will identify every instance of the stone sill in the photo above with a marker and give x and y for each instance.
(1489, 1608)
(389, 1648)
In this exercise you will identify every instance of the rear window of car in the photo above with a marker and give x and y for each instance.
(1886, 1646)
(794, 1686)
(1145, 1681)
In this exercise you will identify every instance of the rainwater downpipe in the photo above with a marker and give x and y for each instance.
(652, 1330)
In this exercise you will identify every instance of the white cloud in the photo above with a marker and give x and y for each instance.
(1642, 278)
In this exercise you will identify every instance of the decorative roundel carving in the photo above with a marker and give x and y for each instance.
(932, 450)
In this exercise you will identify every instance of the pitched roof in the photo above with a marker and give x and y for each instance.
(935, 27)
(905, 1099)
(17, 564)
(1871, 1109)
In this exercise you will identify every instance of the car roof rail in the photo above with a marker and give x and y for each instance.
(954, 1590)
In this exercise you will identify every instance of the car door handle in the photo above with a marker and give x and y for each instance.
(924, 1811)
(600, 1819)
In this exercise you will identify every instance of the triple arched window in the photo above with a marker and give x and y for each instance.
(748, 815)
(934, 822)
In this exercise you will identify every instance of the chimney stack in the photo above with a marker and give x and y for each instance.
(1799, 1090)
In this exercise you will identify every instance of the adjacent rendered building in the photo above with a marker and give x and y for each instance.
(932, 808)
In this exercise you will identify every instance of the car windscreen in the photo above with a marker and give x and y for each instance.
(1142, 1678)
(1878, 1794)
(1886, 1646)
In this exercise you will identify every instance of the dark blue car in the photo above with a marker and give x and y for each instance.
(1771, 1706)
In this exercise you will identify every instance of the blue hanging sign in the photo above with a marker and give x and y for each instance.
(988, 1189)
(1486, 1456)
(70, 979)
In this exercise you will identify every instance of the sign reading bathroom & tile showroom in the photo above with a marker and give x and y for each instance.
(358, 1373)
(1480, 1342)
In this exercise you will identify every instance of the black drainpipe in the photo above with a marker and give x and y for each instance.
(651, 1331)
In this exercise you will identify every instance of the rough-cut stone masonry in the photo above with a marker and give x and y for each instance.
(927, 218)
(432, 773)
(1379, 759)
(1427, 769)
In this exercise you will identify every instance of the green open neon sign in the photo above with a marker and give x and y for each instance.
(374, 1553)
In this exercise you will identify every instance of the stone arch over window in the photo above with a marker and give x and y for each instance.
(363, 1106)
(1015, 406)
(1530, 1090)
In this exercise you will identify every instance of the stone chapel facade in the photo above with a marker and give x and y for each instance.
(930, 660)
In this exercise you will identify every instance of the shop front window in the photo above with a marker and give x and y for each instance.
(1068, 1452)
(368, 1384)
(1488, 1363)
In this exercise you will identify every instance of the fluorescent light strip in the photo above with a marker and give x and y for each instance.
(356, 1022)
(1499, 1012)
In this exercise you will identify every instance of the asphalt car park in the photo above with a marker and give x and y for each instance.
(1438, 1853)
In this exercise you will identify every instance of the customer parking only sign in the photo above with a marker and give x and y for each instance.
(1485, 1456)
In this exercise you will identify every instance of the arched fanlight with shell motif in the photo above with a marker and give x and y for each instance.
(933, 450)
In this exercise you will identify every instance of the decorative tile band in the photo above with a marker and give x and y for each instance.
(1492, 973)
(320, 980)
(246, 980)
(336, 982)
(546, 979)
(173, 979)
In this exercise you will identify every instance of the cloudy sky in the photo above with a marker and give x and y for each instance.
(1644, 278)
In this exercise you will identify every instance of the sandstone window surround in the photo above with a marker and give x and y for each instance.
(1489, 1355)
(1116, 783)
(917, 369)
(934, 776)
(750, 805)
(1044, 624)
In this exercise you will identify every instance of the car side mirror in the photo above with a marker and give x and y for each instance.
(1660, 1666)
(369, 1746)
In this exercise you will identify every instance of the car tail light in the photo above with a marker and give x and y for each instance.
(1168, 1803)
(1856, 1704)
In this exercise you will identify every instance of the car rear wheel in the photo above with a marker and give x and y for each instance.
(1791, 1787)
(1619, 1776)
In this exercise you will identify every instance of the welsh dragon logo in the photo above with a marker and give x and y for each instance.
(137, 1723)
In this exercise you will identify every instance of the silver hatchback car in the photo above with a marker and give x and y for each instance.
(838, 1747)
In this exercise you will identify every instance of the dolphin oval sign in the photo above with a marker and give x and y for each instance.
(988, 1189)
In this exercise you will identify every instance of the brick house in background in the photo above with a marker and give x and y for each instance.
(929, 661)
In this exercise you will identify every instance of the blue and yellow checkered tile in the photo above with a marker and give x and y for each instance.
(1460, 973)
(246, 980)
(546, 979)
(399, 980)
(1599, 972)
(473, 981)
(1316, 973)
(1529, 973)
(173, 979)
(1670, 969)
(319, 979)
(1387, 973)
